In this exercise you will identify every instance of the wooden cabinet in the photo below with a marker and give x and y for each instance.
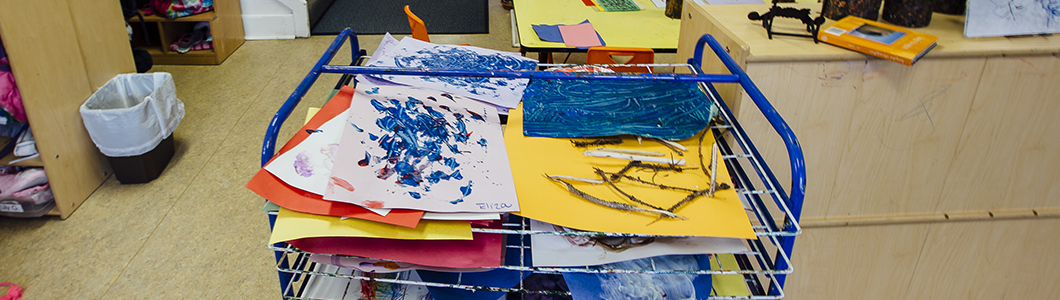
(911, 170)
(971, 128)
(61, 51)
(226, 26)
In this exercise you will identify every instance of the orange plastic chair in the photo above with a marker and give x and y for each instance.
(419, 30)
(604, 56)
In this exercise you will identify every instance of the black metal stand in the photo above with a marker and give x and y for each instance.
(812, 24)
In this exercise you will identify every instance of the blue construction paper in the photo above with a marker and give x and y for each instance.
(550, 33)
(608, 286)
(582, 108)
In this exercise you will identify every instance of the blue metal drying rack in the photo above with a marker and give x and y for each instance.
(756, 266)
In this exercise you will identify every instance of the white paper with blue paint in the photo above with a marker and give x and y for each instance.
(416, 54)
(422, 149)
(307, 166)
(558, 251)
(611, 286)
(388, 42)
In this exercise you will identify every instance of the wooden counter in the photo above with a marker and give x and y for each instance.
(971, 127)
(924, 181)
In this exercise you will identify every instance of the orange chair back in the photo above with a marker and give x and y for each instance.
(604, 56)
(419, 30)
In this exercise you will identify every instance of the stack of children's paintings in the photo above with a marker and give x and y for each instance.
(392, 176)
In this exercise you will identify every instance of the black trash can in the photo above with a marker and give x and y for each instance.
(131, 120)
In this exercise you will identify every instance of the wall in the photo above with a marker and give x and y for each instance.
(275, 19)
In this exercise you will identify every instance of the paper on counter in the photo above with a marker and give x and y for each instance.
(580, 35)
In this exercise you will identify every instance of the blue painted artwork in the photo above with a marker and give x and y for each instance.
(422, 149)
(582, 108)
(416, 54)
(644, 286)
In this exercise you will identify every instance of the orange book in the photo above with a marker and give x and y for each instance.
(894, 43)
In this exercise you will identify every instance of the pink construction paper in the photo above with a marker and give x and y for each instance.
(580, 35)
(483, 251)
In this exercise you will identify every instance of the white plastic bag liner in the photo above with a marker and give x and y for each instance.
(132, 113)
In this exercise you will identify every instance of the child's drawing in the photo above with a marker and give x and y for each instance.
(987, 18)
(422, 149)
(308, 165)
(416, 54)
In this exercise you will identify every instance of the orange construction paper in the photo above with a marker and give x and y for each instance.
(275, 190)
(545, 200)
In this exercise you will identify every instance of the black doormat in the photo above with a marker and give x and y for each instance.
(382, 16)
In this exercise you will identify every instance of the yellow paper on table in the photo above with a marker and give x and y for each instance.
(545, 200)
(292, 225)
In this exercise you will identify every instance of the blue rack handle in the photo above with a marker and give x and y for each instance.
(795, 155)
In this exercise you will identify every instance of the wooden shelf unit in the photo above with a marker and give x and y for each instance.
(226, 27)
(61, 52)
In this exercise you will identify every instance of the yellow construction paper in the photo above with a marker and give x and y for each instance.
(292, 225)
(732, 285)
(545, 200)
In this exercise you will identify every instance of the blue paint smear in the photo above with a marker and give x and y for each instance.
(374, 90)
(364, 162)
(466, 190)
(373, 137)
(475, 115)
(459, 58)
(415, 195)
(605, 286)
(355, 127)
(482, 142)
(661, 109)
(420, 144)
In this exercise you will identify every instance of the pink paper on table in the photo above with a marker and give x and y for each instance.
(483, 251)
(580, 35)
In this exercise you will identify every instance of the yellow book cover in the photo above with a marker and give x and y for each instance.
(894, 43)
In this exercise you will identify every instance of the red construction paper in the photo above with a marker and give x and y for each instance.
(580, 35)
(270, 187)
(483, 251)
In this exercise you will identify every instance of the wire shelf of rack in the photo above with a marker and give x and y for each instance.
(772, 211)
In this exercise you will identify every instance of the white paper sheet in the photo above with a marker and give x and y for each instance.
(308, 165)
(413, 53)
(556, 251)
(460, 216)
(422, 149)
(986, 18)
(388, 42)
